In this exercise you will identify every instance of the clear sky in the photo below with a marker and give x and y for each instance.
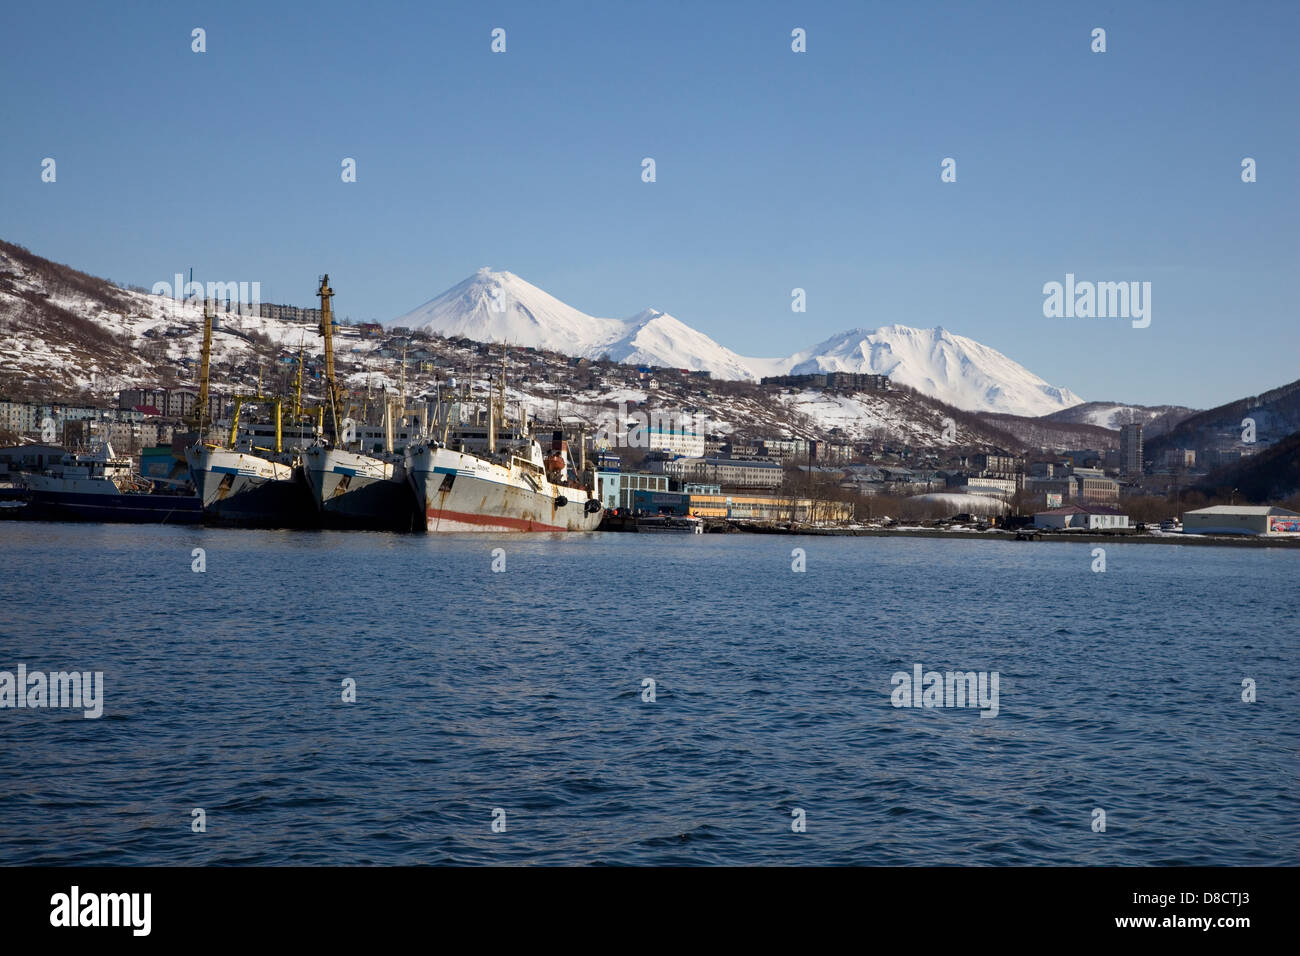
(775, 169)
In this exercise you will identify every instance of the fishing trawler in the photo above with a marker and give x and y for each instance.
(519, 490)
(349, 488)
(101, 486)
(497, 478)
(247, 490)
(243, 484)
(360, 492)
(471, 481)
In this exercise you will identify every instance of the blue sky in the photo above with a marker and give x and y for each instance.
(775, 170)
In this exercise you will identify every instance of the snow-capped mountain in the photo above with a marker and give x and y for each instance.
(656, 338)
(951, 368)
(499, 306)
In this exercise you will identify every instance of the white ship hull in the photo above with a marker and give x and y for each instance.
(238, 488)
(457, 491)
(359, 491)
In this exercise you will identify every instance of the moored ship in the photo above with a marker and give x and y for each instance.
(518, 490)
(249, 486)
(360, 492)
(100, 486)
(498, 478)
(247, 490)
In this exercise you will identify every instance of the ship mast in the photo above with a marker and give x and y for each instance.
(205, 362)
(297, 391)
(403, 406)
(327, 331)
(497, 405)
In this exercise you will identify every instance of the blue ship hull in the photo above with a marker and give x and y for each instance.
(129, 508)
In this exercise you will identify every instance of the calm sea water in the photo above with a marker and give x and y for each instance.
(522, 692)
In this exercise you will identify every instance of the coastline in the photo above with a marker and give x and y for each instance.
(1196, 540)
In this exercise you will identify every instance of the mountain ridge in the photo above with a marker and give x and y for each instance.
(497, 306)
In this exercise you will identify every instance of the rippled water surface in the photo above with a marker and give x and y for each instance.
(522, 691)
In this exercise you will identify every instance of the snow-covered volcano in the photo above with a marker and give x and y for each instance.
(501, 307)
(951, 368)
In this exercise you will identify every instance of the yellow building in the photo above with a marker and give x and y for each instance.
(769, 508)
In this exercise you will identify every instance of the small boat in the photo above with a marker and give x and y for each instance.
(673, 524)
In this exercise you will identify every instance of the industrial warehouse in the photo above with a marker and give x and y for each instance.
(1242, 519)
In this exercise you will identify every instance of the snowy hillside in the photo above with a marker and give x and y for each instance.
(499, 306)
(1155, 419)
(66, 335)
(64, 330)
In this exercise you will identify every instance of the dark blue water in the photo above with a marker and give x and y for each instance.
(522, 691)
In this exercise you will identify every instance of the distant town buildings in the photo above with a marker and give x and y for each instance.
(126, 428)
(288, 313)
(729, 472)
(869, 382)
(675, 439)
(1076, 485)
(168, 402)
(1130, 450)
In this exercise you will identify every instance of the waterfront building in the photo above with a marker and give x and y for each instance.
(616, 489)
(1089, 517)
(1242, 519)
(769, 508)
(661, 503)
(30, 457)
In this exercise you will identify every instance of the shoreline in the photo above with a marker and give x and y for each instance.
(1195, 540)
